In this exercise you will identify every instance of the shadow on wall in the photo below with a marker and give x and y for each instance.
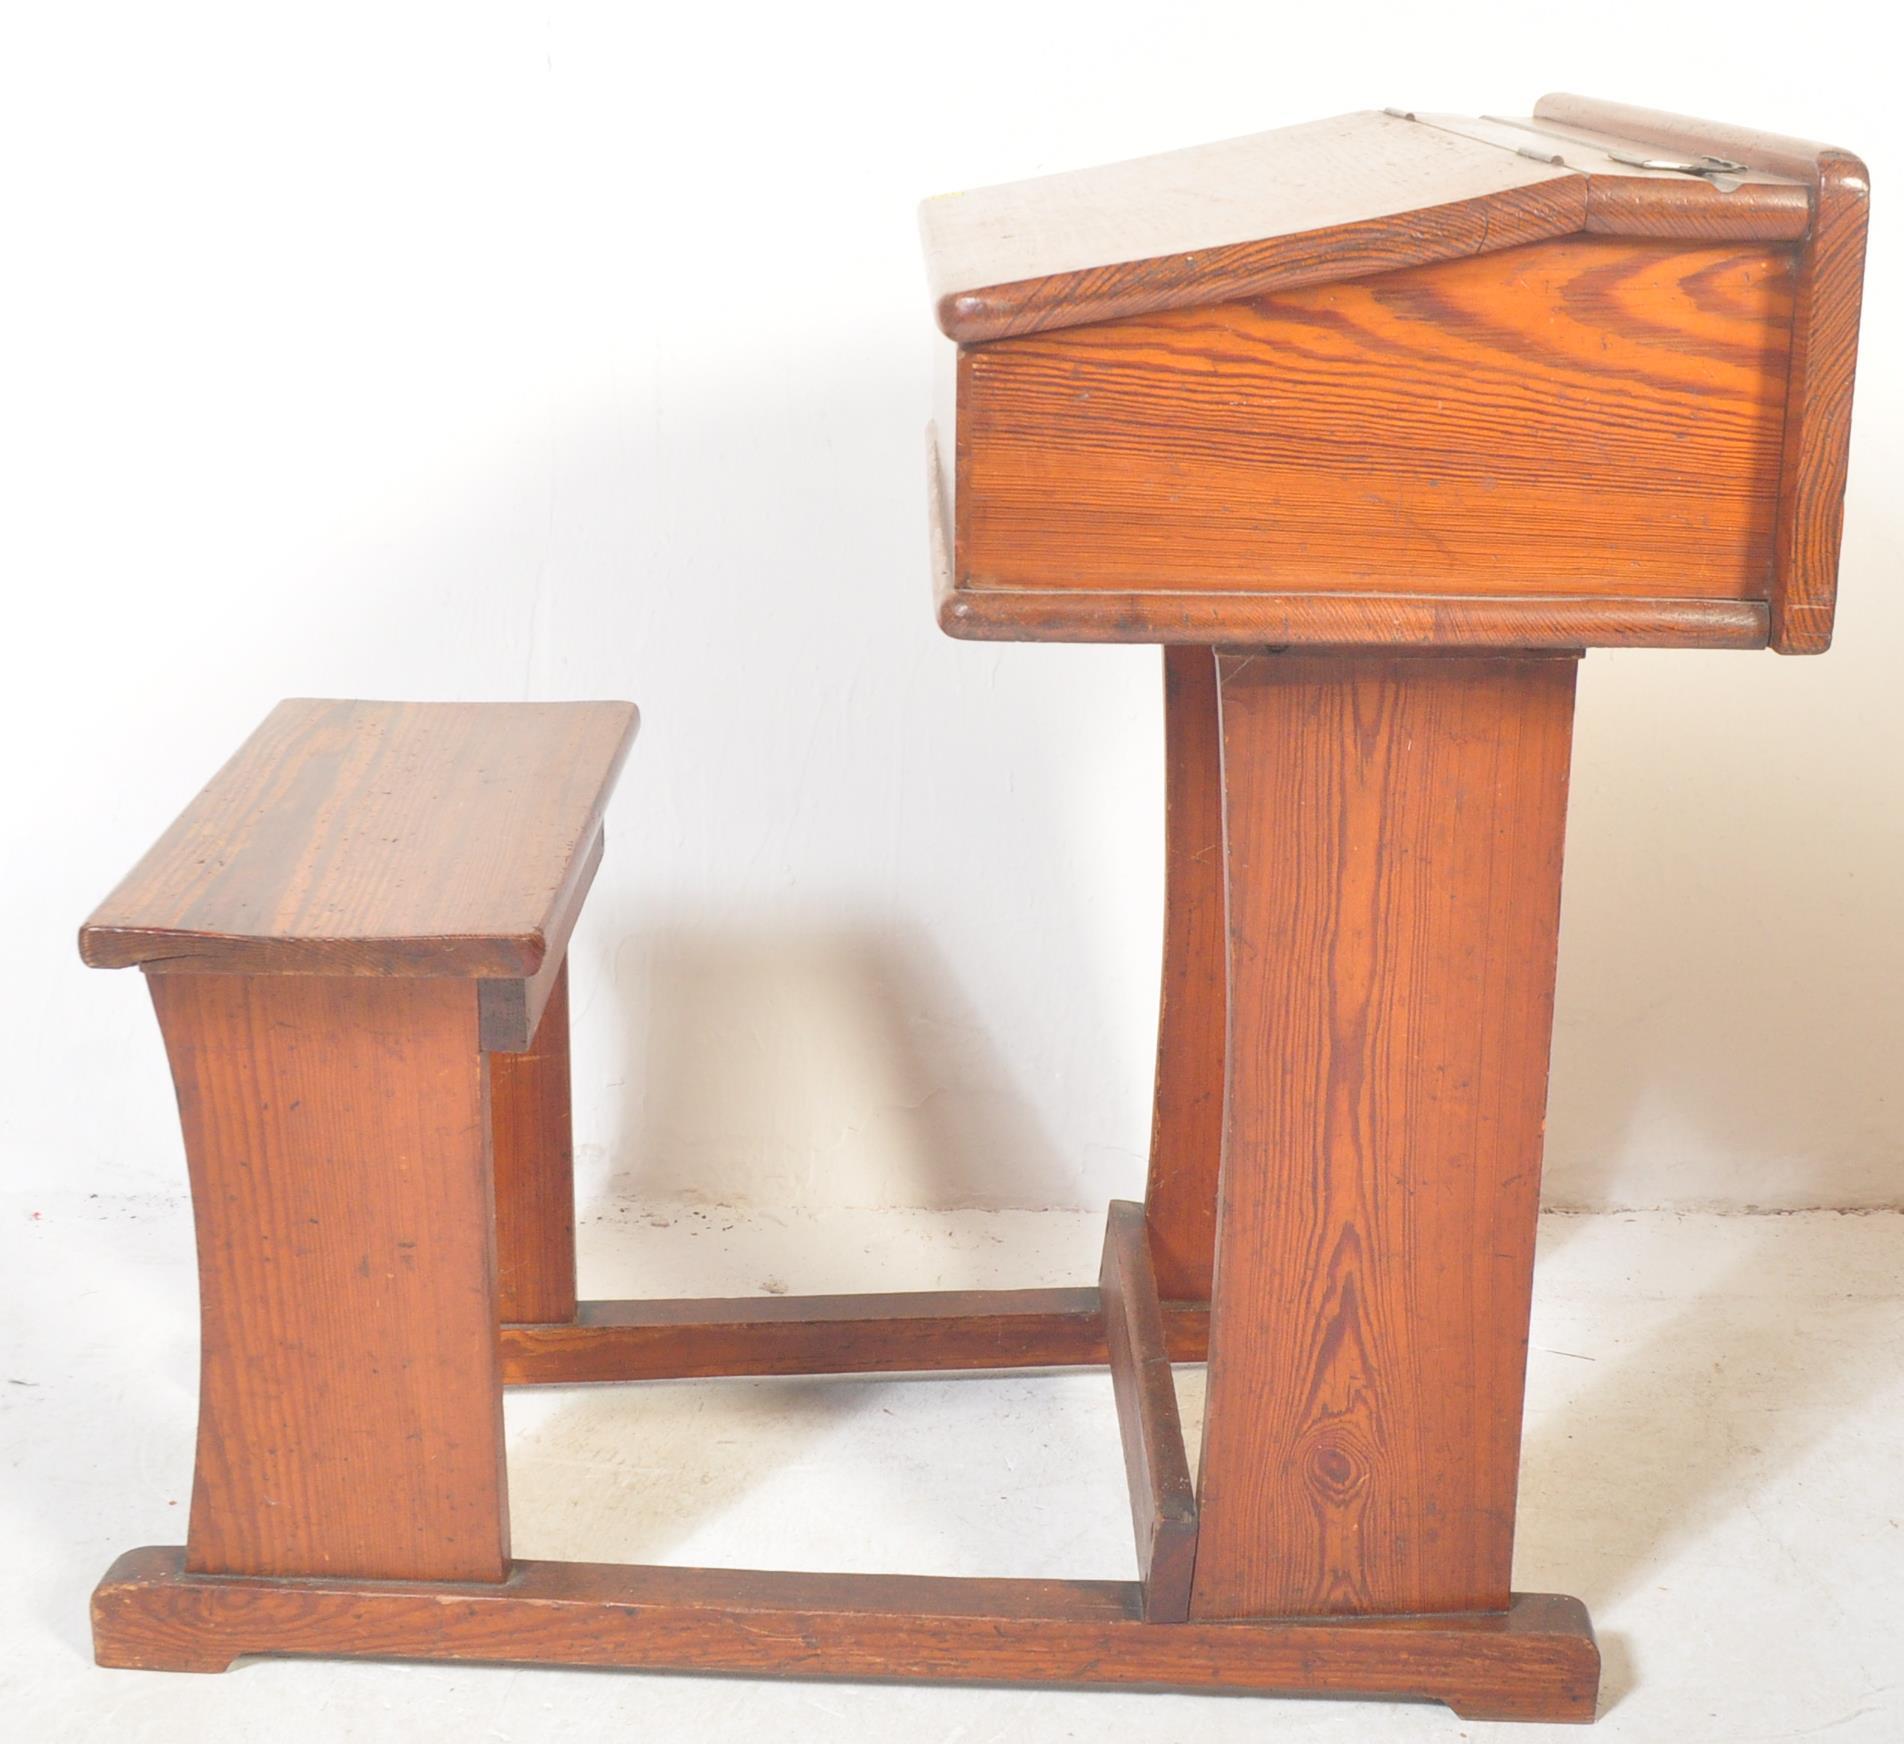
(1726, 1035)
(819, 1066)
(1728, 1019)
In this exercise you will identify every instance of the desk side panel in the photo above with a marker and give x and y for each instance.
(1824, 347)
(1590, 419)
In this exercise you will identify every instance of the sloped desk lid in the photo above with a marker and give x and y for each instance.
(1341, 199)
(1371, 193)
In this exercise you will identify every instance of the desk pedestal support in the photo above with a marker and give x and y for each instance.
(1393, 834)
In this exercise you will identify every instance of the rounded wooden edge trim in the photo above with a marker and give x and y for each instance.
(1695, 211)
(1483, 224)
(162, 952)
(1347, 620)
(1778, 153)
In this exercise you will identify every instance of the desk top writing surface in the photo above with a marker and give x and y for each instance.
(1215, 219)
(1325, 200)
(352, 838)
(1405, 379)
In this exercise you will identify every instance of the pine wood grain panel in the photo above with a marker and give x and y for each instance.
(374, 838)
(1186, 1133)
(1594, 417)
(350, 1405)
(1394, 834)
(1824, 351)
(1818, 410)
(867, 1333)
(533, 1148)
(1163, 1500)
(1331, 199)
(1318, 619)
(1537, 1660)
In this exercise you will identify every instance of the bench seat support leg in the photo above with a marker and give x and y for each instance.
(350, 1400)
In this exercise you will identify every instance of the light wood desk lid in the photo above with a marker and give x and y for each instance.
(378, 838)
(1331, 200)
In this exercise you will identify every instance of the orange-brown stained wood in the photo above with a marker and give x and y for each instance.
(1536, 1661)
(534, 1158)
(1229, 617)
(1162, 1498)
(1394, 834)
(1353, 194)
(1593, 417)
(377, 838)
(1624, 197)
(868, 1333)
(1186, 1134)
(1824, 351)
(1818, 410)
(510, 1012)
(1312, 204)
(350, 1404)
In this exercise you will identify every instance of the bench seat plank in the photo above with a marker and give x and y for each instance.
(378, 838)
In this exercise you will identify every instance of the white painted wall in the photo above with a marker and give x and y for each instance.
(579, 350)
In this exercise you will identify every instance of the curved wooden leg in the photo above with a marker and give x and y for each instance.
(1187, 1123)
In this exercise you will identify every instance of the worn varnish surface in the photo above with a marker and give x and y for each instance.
(371, 838)
(1321, 202)
(1535, 1661)
(1327, 199)
(534, 1169)
(350, 1418)
(1394, 833)
(1594, 417)
(1626, 198)
(1186, 1135)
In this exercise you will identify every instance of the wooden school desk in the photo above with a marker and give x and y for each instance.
(1375, 425)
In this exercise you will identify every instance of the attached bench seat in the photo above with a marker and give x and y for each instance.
(384, 838)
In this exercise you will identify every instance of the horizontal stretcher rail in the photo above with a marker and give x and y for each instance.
(918, 1330)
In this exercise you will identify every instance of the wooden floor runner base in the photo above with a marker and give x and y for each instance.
(1536, 1661)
